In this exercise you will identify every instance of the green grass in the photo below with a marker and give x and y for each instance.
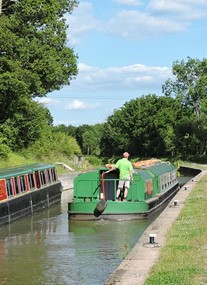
(183, 261)
(15, 159)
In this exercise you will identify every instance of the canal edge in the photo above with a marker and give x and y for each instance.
(137, 266)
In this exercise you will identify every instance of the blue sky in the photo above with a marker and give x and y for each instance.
(126, 49)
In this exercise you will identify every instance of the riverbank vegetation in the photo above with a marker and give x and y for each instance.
(183, 259)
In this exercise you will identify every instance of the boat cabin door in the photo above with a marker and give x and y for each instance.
(110, 184)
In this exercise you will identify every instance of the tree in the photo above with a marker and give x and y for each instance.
(53, 144)
(79, 134)
(69, 130)
(5, 5)
(88, 138)
(34, 56)
(143, 126)
(190, 87)
(190, 83)
(26, 124)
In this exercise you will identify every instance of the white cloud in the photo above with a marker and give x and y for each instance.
(81, 22)
(80, 105)
(157, 17)
(178, 9)
(46, 101)
(92, 79)
(77, 122)
(129, 2)
(134, 24)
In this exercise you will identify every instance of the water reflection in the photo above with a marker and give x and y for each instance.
(108, 236)
(47, 249)
(185, 174)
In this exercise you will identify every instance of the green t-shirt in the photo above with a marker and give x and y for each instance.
(124, 166)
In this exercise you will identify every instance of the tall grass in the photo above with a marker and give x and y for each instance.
(183, 259)
(15, 159)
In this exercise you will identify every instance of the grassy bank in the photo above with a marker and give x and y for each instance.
(15, 159)
(183, 261)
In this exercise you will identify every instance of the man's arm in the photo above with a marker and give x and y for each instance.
(111, 169)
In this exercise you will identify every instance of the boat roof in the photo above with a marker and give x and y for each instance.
(144, 174)
(159, 169)
(23, 169)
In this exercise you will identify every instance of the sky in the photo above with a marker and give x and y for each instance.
(125, 49)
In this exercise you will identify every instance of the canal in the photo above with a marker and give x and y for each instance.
(47, 249)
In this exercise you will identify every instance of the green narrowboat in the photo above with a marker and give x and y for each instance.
(27, 189)
(94, 193)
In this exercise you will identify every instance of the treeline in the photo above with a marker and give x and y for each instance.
(35, 60)
(149, 126)
(173, 125)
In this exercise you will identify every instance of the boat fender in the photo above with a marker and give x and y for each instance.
(100, 207)
(149, 188)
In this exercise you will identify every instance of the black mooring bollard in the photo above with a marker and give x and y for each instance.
(152, 238)
(175, 202)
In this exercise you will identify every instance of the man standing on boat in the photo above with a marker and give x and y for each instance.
(125, 174)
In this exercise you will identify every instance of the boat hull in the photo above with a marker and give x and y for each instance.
(29, 203)
(84, 211)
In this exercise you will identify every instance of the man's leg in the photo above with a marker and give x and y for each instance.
(126, 188)
(120, 186)
(117, 193)
(125, 192)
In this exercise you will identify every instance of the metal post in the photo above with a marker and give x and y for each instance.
(31, 205)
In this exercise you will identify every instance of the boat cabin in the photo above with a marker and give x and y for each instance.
(148, 182)
(27, 189)
(18, 180)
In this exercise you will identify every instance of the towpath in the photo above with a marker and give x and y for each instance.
(136, 267)
(67, 180)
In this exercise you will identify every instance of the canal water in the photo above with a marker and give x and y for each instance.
(47, 249)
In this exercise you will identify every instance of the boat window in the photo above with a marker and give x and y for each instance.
(9, 187)
(43, 179)
(16, 185)
(31, 181)
(49, 176)
(37, 179)
(22, 183)
(54, 178)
